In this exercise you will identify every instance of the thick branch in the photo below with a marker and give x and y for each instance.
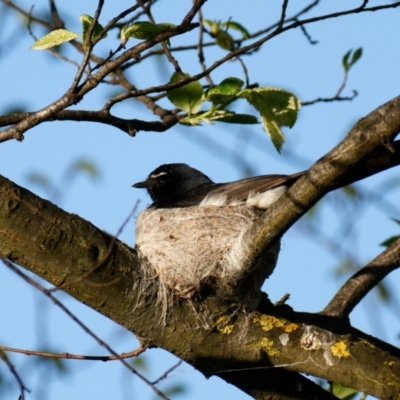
(334, 169)
(62, 247)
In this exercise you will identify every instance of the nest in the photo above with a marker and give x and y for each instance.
(188, 249)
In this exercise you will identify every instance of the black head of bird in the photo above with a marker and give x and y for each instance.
(175, 185)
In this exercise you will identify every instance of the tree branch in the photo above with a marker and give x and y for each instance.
(62, 247)
(74, 96)
(130, 126)
(357, 287)
(331, 171)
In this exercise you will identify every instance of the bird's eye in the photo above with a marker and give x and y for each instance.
(160, 181)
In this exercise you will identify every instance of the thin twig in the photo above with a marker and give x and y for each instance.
(200, 49)
(164, 46)
(237, 42)
(70, 356)
(74, 96)
(71, 97)
(245, 71)
(26, 14)
(294, 18)
(192, 12)
(283, 300)
(307, 35)
(58, 22)
(342, 86)
(361, 283)
(283, 14)
(42, 289)
(167, 372)
(89, 46)
(111, 24)
(244, 50)
(330, 99)
(22, 387)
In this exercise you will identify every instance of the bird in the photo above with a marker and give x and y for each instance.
(179, 185)
(193, 234)
(189, 247)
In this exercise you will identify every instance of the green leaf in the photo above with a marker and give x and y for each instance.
(383, 292)
(350, 191)
(59, 364)
(54, 38)
(214, 26)
(174, 389)
(390, 241)
(194, 121)
(39, 179)
(396, 220)
(233, 118)
(87, 167)
(343, 392)
(277, 108)
(143, 30)
(343, 269)
(14, 109)
(87, 21)
(140, 363)
(188, 97)
(225, 41)
(235, 25)
(356, 56)
(165, 26)
(225, 91)
(345, 61)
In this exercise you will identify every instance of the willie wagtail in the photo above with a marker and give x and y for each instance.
(178, 185)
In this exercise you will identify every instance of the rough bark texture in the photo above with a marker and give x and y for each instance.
(62, 247)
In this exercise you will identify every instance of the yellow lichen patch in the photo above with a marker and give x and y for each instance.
(268, 322)
(226, 330)
(223, 326)
(266, 344)
(390, 363)
(290, 327)
(339, 349)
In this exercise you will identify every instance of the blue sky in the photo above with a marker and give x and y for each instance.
(305, 269)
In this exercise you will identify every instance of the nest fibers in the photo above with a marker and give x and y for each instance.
(188, 249)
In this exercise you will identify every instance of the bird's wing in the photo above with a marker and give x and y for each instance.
(230, 192)
(239, 191)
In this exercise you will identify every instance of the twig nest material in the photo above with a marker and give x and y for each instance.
(190, 248)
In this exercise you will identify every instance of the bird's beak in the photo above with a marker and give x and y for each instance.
(141, 185)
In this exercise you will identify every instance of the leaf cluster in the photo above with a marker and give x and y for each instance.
(277, 107)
